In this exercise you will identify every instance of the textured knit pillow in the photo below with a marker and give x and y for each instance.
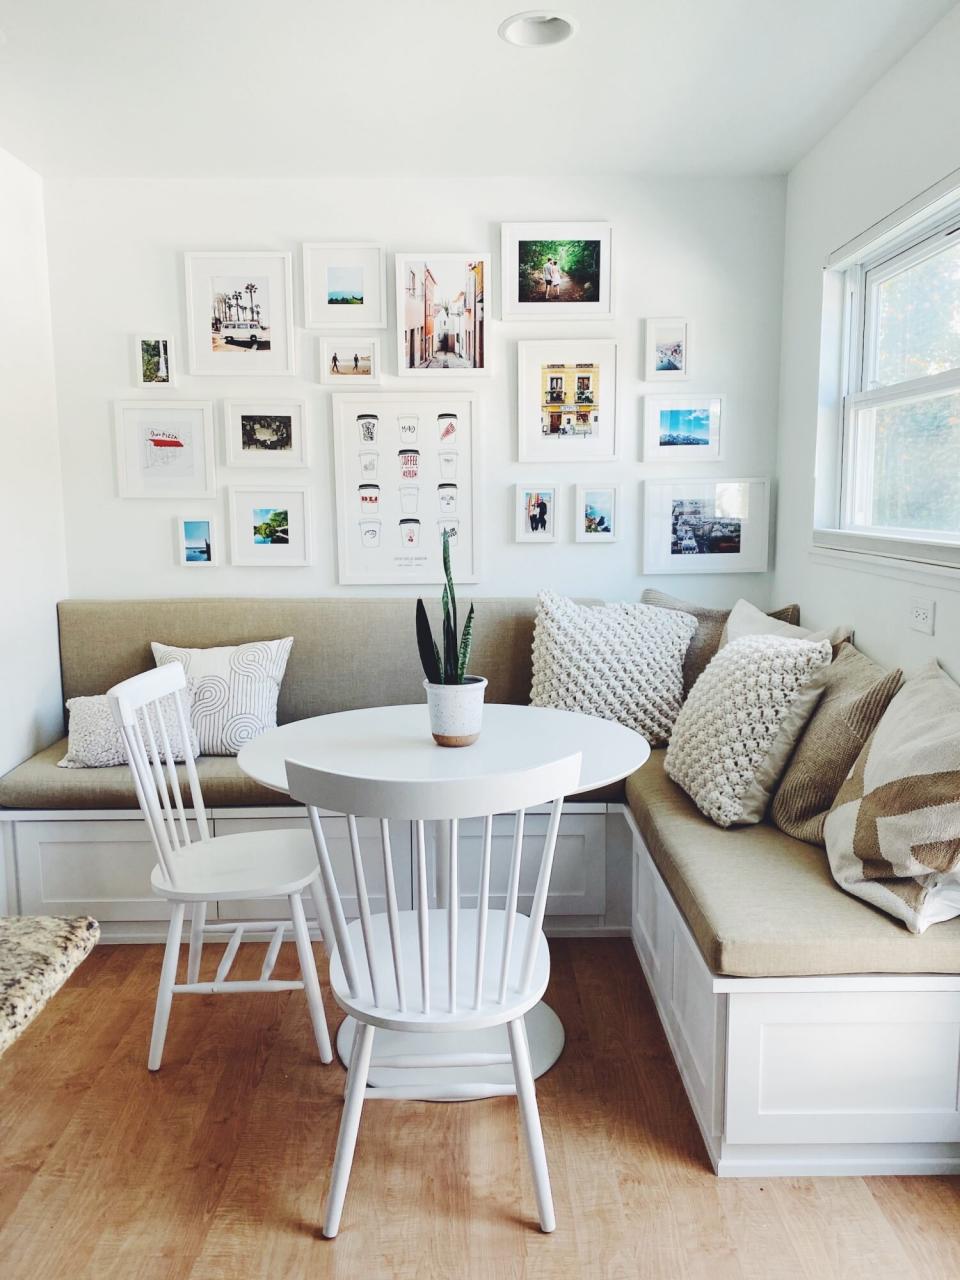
(615, 661)
(893, 834)
(94, 741)
(747, 620)
(856, 693)
(710, 624)
(738, 726)
(234, 687)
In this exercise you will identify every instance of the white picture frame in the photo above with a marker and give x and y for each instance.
(247, 503)
(274, 419)
(597, 514)
(428, 340)
(524, 271)
(732, 515)
(666, 349)
(357, 362)
(191, 549)
(240, 313)
(165, 376)
(567, 400)
(682, 428)
(407, 466)
(164, 449)
(328, 269)
(528, 511)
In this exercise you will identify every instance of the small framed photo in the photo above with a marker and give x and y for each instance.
(682, 428)
(706, 526)
(196, 542)
(568, 400)
(667, 350)
(598, 513)
(154, 362)
(350, 362)
(165, 449)
(266, 433)
(537, 512)
(240, 313)
(270, 526)
(556, 270)
(344, 286)
(442, 302)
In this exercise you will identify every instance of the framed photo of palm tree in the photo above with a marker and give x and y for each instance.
(240, 313)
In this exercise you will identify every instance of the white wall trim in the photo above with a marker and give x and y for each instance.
(930, 206)
(941, 577)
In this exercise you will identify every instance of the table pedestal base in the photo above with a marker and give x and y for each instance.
(544, 1033)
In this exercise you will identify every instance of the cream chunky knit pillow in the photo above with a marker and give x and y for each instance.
(740, 721)
(615, 661)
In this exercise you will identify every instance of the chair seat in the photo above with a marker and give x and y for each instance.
(252, 864)
(491, 1013)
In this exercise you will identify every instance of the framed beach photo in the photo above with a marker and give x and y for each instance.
(344, 286)
(556, 270)
(442, 314)
(666, 350)
(350, 362)
(598, 513)
(270, 526)
(705, 526)
(682, 428)
(567, 400)
(153, 357)
(164, 449)
(265, 433)
(240, 313)
(196, 540)
(537, 512)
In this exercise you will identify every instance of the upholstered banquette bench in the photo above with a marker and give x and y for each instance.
(812, 1033)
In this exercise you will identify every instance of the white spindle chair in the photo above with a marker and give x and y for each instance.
(211, 868)
(441, 970)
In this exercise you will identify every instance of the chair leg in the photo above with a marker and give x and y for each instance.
(349, 1125)
(322, 910)
(311, 983)
(527, 1098)
(198, 918)
(168, 976)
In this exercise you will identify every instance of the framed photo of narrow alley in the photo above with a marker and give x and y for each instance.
(240, 313)
(442, 301)
(556, 270)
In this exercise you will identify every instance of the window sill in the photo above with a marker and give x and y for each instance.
(933, 563)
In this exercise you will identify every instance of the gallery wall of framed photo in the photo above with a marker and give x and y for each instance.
(581, 340)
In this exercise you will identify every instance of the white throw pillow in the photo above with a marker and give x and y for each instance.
(746, 619)
(615, 661)
(740, 722)
(234, 688)
(94, 741)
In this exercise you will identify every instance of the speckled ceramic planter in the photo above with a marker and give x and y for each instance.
(456, 711)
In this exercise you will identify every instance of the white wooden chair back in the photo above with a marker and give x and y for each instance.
(139, 706)
(448, 801)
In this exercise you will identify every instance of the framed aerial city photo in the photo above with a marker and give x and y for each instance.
(705, 526)
(240, 313)
(442, 301)
(682, 428)
(556, 270)
(344, 286)
(164, 449)
(567, 408)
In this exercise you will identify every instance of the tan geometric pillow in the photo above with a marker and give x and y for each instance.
(855, 696)
(893, 834)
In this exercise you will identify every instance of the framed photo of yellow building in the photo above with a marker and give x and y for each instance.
(568, 400)
(556, 270)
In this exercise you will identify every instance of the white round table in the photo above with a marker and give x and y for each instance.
(394, 743)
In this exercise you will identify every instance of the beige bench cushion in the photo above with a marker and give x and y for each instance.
(761, 904)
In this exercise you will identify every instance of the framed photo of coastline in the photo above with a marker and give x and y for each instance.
(666, 350)
(344, 286)
(556, 270)
(682, 428)
(270, 526)
(164, 449)
(265, 433)
(706, 526)
(442, 307)
(240, 313)
(598, 513)
(196, 542)
(567, 400)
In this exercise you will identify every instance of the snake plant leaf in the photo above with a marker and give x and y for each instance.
(448, 574)
(466, 640)
(429, 654)
(449, 652)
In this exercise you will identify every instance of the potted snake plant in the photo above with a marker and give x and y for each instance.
(455, 699)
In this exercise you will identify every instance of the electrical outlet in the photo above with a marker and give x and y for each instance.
(920, 615)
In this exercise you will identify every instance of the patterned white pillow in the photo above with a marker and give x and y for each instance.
(94, 741)
(740, 722)
(615, 661)
(234, 688)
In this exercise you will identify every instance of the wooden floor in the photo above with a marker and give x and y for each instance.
(216, 1167)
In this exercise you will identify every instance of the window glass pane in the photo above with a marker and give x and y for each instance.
(918, 319)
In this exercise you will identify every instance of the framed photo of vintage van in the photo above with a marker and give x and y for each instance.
(706, 526)
(240, 313)
(567, 408)
(556, 270)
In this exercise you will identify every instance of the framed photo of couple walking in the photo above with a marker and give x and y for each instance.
(556, 270)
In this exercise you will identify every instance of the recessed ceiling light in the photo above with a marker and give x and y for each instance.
(536, 27)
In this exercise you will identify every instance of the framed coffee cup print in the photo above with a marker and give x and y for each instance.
(164, 449)
(196, 542)
(442, 306)
(266, 433)
(240, 313)
(270, 526)
(682, 428)
(537, 509)
(154, 366)
(667, 350)
(705, 526)
(598, 513)
(568, 400)
(344, 286)
(556, 270)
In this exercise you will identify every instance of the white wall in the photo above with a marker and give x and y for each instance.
(710, 250)
(899, 139)
(32, 567)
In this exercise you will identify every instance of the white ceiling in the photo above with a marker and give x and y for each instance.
(310, 87)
